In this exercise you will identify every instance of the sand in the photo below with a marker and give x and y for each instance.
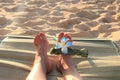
(79, 18)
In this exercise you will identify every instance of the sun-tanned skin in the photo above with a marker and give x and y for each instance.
(42, 64)
(65, 63)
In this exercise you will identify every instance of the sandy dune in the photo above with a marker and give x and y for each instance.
(80, 18)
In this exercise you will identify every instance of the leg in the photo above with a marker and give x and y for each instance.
(67, 68)
(41, 63)
(65, 64)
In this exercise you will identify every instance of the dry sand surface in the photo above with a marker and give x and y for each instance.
(80, 18)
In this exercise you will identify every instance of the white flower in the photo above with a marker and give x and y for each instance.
(63, 44)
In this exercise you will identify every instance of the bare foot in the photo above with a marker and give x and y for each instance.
(41, 45)
(67, 68)
(41, 63)
(65, 64)
(64, 35)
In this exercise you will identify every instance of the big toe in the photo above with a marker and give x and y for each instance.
(61, 34)
(37, 40)
(42, 35)
(44, 38)
(68, 36)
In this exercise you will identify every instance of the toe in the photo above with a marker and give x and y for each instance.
(68, 36)
(61, 34)
(37, 40)
(43, 37)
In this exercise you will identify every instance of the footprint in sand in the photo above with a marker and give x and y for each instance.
(82, 27)
(56, 13)
(92, 23)
(34, 22)
(6, 1)
(68, 23)
(36, 2)
(42, 12)
(20, 20)
(10, 8)
(3, 20)
(102, 28)
(105, 18)
(53, 19)
(15, 8)
(109, 1)
(87, 14)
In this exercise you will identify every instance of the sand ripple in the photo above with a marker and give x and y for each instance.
(80, 18)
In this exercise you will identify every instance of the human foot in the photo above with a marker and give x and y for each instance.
(65, 64)
(66, 67)
(64, 35)
(64, 41)
(41, 45)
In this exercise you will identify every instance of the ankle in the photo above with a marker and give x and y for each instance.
(71, 74)
(37, 59)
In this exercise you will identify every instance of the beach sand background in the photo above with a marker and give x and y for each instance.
(79, 18)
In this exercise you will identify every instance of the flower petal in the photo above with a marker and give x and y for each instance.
(57, 46)
(63, 39)
(64, 50)
(68, 44)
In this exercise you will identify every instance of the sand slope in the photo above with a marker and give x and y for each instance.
(80, 18)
